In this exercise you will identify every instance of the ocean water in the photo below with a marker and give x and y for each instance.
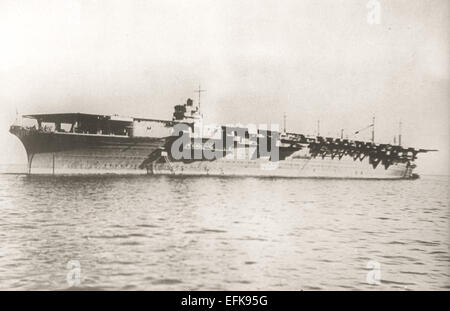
(207, 233)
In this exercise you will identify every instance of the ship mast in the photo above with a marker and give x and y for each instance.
(373, 129)
(199, 91)
(367, 127)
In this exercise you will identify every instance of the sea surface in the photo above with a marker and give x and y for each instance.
(208, 233)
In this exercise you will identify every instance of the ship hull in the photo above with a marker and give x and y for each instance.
(85, 162)
(292, 168)
(67, 154)
(75, 154)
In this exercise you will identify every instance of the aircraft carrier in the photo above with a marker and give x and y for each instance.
(77, 143)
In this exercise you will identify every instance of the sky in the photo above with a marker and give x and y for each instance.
(256, 59)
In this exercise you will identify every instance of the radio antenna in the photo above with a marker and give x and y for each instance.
(199, 91)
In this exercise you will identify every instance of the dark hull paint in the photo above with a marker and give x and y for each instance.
(71, 154)
(68, 153)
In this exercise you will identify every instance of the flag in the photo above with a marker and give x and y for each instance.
(357, 132)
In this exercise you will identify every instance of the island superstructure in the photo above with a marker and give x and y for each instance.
(78, 143)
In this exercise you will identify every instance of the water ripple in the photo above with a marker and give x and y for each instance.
(159, 232)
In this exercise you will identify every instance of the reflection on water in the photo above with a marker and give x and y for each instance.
(204, 233)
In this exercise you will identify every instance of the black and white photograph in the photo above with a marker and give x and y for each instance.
(212, 145)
